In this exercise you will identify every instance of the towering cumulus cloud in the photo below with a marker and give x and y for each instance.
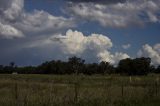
(94, 46)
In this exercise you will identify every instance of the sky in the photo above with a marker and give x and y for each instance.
(34, 31)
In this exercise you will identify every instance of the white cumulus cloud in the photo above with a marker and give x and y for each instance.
(9, 31)
(157, 48)
(42, 22)
(132, 12)
(94, 46)
(76, 42)
(11, 9)
(152, 52)
(17, 21)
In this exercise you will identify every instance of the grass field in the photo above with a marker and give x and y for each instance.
(72, 90)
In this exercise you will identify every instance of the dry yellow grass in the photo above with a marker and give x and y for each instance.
(70, 90)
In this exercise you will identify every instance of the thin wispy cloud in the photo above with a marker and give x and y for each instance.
(126, 46)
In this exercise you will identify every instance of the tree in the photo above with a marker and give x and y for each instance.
(157, 70)
(76, 64)
(138, 66)
(141, 65)
(152, 69)
(124, 66)
(105, 67)
(1, 68)
(12, 67)
(11, 64)
(91, 69)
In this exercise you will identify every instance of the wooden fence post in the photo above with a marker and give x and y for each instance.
(122, 90)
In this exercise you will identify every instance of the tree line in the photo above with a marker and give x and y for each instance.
(75, 65)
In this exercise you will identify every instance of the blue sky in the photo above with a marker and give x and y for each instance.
(34, 31)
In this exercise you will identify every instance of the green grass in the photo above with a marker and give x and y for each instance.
(72, 90)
